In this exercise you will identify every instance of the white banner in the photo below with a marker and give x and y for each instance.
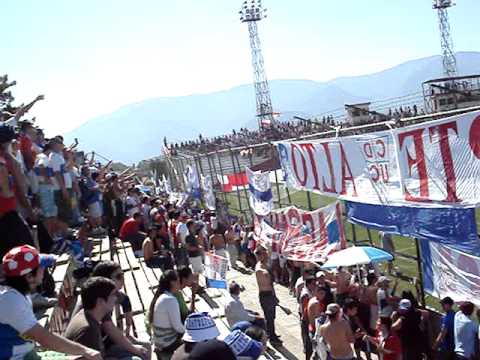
(216, 268)
(192, 182)
(454, 273)
(436, 164)
(260, 192)
(208, 195)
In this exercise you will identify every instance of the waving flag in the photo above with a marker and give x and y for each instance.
(310, 235)
(192, 182)
(208, 195)
(261, 198)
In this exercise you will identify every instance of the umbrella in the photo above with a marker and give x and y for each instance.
(357, 255)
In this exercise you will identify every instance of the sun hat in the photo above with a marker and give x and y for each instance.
(200, 327)
(22, 260)
(405, 304)
(243, 345)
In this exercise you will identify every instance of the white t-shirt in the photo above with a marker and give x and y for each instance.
(42, 163)
(57, 163)
(182, 232)
(384, 308)
(14, 323)
(132, 205)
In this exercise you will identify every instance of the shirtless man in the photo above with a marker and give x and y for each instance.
(266, 293)
(338, 334)
(342, 280)
(316, 307)
(217, 242)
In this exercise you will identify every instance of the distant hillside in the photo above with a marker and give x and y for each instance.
(135, 132)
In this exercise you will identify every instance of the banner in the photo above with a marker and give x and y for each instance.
(215, 272)
(432, 164)
(260, 192)
(455, 227)
(165, 183)
(177, 198)
(208, 195)
(192, 182)
(448, 272)
(309, 235)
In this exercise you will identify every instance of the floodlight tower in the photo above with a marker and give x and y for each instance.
(449, 61)
(251, 12)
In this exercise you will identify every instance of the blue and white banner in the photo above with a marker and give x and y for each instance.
(192, 182)
(208, 195)
(455, 227)
(260, 188)
(215, 271)
(449, 272)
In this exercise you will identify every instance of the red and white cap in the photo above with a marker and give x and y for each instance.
(22, 260)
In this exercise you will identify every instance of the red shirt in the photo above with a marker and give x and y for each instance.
(27, 151)
(7, 204)
(129, 227)
(392, 343)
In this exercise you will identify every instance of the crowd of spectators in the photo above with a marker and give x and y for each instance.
(281, 130)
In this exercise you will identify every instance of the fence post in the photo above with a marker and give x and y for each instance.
(245, 189)
(354, 234)
(223, 179)
(236, 177)
(370, 240)
(420, 271)
(309, 200)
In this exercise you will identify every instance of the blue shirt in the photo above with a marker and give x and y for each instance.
(466, 332)
(448, 320)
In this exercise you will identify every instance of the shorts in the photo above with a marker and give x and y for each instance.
(64, 207)
(47, 201)
(197, 264)
(95, 210)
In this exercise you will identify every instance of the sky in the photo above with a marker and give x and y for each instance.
(90, 57)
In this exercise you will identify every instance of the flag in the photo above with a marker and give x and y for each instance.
(233, 182)
(449, 272)
(261, 198)
(192, 182)
(312, 236)
(208, 195)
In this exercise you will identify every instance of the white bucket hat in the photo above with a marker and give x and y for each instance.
(200, 327)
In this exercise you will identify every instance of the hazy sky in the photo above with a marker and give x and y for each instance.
(90, 57)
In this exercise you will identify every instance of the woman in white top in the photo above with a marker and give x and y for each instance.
(164, 316)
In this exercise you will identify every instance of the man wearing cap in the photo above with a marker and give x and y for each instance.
(338, 334)
(62, 197)
(199, 327)
(19, 330)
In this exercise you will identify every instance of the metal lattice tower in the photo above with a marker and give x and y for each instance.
(252, 11)
(449, 61)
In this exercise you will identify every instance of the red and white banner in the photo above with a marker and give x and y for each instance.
(436, 164)
(233, 182)
(304, 235)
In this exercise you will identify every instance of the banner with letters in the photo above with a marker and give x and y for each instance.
(432, 164)
(449, 272)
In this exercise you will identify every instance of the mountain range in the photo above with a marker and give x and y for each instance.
(135, 132)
